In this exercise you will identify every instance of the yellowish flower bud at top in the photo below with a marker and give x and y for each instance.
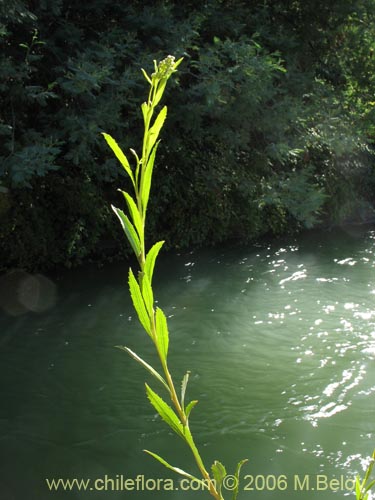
(165, 68)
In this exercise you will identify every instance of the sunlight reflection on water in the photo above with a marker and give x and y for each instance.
(280, 341)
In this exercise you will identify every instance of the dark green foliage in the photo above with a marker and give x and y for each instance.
(272, 126)
(60, 222)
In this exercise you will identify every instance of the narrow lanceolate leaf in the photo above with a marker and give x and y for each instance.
(357, 487)
(183, 388)
(147, 178)
(138, 303)
(175, 469)
(219, 472)
(190, 441)
(151, 258)
(146, 76)
(369, 485)
(369, 468)
(148, 367)
(145, 110)
(237, 476)
(159, 92)
(147, 294)
(134, 213)
(129, 230)
(177, 63)
(189, 407)
(154, 131)
(119, 154)
(134, 153)
(165, 411)
(162, 335)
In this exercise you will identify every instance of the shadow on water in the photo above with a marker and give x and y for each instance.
(279, 339)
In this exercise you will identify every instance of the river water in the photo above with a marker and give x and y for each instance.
(280, 342)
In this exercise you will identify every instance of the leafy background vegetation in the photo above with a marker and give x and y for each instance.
(271, 122)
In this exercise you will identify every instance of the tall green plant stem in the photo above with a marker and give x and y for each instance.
(154, 320)
(141, 260)
(154, 86)
(183, 418)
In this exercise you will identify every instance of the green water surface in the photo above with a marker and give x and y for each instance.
(280, 342)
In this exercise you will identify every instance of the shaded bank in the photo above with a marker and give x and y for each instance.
(271, 128)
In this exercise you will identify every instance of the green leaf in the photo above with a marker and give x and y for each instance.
(147, 294)
(129, 230)
(165, 411)
(146, 76)
(175, 469)
(151, 258)
(134, 153)
(162, 335)
(369, 485)
(237, 476)
(154, 131)
(147, 177)
(183, 388)
(144, 109)
(159, 93)
(177, 63)
(190, 441)
(138, 303)
(369, 468)
(357, 488)
(148, 367)
(135, 215)
(189, 407)
(219, 472)
(119, 154)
